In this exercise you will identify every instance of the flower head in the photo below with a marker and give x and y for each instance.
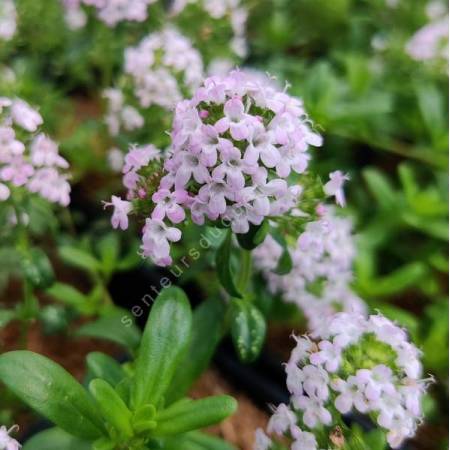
(154, 77)
(111, 12)
(8, 19)
(318, 282)
(430, 43)
(357, 366)
(33, 161)
(227, 143)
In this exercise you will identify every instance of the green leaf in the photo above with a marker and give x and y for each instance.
(248, 330)
(105, 367)
(112, 328)
(112, 407)
(408, 181)
(67, 294)
(51, 391)
(206, 442)
(55, 439)
(207, 330)
(164, 342)
(397, 281)
(195, 440)
(285, 264)
(254, 237)
(6, 315)
(223, 266)
(131, 259)
(108, 248)
(436, 336)
(431, 106)
(79, 258)
(195, 414)
(37, 269)
(381, 189)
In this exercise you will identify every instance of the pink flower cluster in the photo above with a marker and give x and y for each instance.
(158, 62)
(27, 159)
(319, 282)
(159, 71)
(8, 19)
(359, 363)
(119, 115)
(111, 12)
(234, 146)
(430, 43)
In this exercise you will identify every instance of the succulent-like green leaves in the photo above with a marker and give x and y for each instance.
(112, 328)
(194, 414)
(207, 330)
(52, 391)
(112, 407)
(165, 339)
(248, 329)
(56, 439)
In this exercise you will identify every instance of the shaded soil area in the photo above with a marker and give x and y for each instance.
(238, 429)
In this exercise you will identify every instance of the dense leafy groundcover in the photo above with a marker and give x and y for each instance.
(284, 162)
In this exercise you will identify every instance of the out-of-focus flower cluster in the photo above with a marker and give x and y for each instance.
(234, 146)
(111, 12)
(357, 364)
(161, 70)
(6, 441)
(232, 10)
(8, 19)
(322, 258)
(29, 159)
(430, 43)
(158, 62)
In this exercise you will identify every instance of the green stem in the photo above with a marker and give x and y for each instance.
(246, 270)
(27, 312)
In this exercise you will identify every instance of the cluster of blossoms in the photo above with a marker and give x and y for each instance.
(359, 364)
(6, 441)
(156, 64)
(430, 43)
(233, 10)
(322, 259)
(234, 146)
(160, 71)
(28, 159)
(8, 19)
(120, 116)
(145, 159)
(111, 12)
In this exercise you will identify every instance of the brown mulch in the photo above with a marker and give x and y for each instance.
(238, 429)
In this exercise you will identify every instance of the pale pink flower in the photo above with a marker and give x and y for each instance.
(122, 208)
(335, 187)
